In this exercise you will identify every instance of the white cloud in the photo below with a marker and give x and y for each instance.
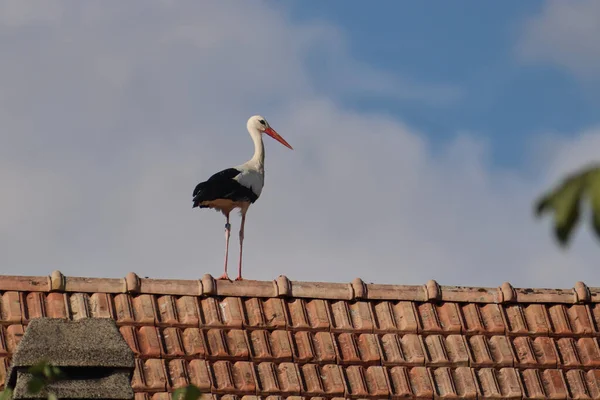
(565, 33)
(111, 116)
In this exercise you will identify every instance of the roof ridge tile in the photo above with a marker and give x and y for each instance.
(283, 287)
(57, 281)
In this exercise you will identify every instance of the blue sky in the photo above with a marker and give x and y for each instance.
(468, 44)
(422, 135)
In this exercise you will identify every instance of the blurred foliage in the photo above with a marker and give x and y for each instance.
(190, 392)
(6, 394)
(565, 201)
(42, 373)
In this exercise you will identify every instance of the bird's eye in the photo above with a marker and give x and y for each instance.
(262, 121)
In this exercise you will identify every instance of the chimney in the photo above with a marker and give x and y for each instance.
(92, 354)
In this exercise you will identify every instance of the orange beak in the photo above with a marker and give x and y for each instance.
(271, 132)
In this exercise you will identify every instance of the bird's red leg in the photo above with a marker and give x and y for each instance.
(239, 277)
(227, 234)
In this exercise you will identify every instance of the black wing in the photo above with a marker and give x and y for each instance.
(228, 173)
(222, 185)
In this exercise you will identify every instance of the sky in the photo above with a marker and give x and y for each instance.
(423, 132)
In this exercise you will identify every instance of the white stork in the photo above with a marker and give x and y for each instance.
(238, 187)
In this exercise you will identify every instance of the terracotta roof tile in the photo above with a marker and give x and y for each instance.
(593, 383)
(421, 382)
(199, 374)
(13, 335)
(10, 307)
(194, 343)
(307, 341)
(3, 368)
(400, 316)
(589, 354)
(490, 351)
(265, 313)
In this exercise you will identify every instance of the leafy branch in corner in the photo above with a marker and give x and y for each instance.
(42, 374)
(565, 201)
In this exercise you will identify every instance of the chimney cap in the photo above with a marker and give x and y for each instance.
(87, 342)
(92, 348)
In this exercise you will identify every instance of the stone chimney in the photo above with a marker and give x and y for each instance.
(94, 357)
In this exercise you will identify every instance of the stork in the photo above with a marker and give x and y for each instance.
(238, 187)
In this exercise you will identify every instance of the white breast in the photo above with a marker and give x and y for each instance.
(251, 178)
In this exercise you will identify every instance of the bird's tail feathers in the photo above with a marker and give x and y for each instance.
(199, 194)
(204, 191)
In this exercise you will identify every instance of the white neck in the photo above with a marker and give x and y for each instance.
(258, 159)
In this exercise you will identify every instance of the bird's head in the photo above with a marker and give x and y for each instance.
(260, 124)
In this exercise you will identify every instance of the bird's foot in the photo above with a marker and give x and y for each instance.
(224, 277)
(239, 278)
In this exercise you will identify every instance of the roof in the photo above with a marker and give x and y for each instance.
(299, 340)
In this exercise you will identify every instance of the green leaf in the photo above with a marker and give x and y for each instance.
(38, 368)
(47, 371)
(6, 394)
(54, 373)
(593, 191)
(566, 209)
(565, 202)
(52, 396)
(35, 385)
(190, 392)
